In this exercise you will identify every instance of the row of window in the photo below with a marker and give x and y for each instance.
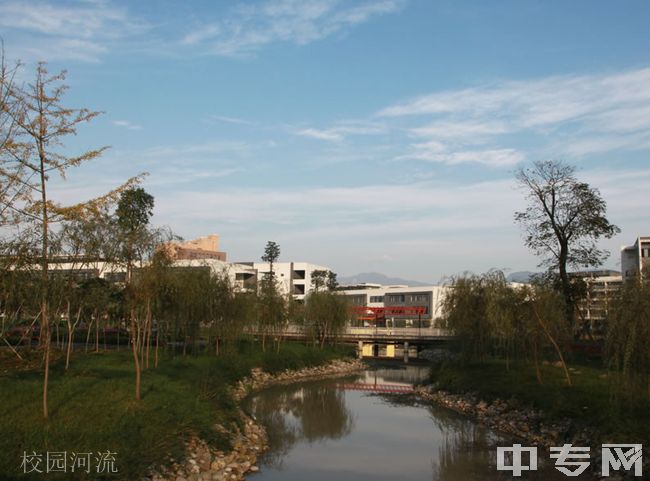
(400, 298)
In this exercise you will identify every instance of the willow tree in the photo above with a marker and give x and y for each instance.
(42, 122)
(563, 221)
(628, 335)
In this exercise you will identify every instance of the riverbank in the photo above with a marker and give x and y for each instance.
(552, 414)
(93, 410)
(204, 463)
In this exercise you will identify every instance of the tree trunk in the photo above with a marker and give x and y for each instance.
(88, 334)
(135, 340)
(45, 329)
(149, 324)
(567, 291)
(538, 372)
(157, 344)
(96, 331)
(69, 347)
(555, 345)
(46, 375)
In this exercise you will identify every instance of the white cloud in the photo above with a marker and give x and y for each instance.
(248, 28)
(343, 129)
(231, 120)
(467, 131)
(492, 158)
(329, 134)
(550, 101)
(79, 30)
(126, 124)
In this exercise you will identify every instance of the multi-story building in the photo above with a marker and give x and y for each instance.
(292, 277)
(398, 306)
(600, 290)
(635, 259)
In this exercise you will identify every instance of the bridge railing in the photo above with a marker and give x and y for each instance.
(377, 332)
(398, 331)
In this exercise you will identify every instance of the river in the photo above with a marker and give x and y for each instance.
(348, 429)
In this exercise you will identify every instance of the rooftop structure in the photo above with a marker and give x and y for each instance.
(635, 259)
(205, 247)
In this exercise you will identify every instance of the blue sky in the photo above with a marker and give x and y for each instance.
(362, 135)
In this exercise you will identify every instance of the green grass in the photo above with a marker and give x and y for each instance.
(92, 406)
(589, 400)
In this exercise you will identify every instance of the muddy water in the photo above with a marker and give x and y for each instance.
(368, 427)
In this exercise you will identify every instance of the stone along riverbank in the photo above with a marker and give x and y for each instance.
(204, 463)
(530, 425)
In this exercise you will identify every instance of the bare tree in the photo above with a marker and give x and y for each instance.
(563, 221)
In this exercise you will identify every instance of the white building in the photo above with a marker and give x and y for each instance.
(292, 277)
(635, 259)
(395, 297)
(602, 287)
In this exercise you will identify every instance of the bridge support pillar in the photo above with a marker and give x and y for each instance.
(406, 352)
(360, 349)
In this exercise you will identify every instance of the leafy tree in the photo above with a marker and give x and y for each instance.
(42, 122)
(464, 311)
(271, 306)
(137, 243)
(271, 255)
(323, 279)
(545, 313)
(491, 318)
(628, 335)
(563, 221)
(326, 314)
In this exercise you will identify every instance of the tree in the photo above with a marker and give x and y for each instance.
(628, 336)
(12, 189)
(324, 279)
(325, 315)
(137, 242)
(271, 254)
(42, 122)
(563, 222)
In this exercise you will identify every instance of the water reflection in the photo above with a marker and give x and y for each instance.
(319, 431)
(307, 412)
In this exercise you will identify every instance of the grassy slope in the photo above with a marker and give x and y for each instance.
(92, 407)
(589, 400)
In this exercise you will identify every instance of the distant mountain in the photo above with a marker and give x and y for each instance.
(521, 276)
(377, 278)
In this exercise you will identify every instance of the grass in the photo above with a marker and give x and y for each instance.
(589, 401)
(92, 407)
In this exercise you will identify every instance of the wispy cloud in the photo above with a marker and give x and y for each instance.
(230, 120)
(126, 124)
(77, 30)
(248, 28)
(343, 129)
(504, 123)
(587, 113)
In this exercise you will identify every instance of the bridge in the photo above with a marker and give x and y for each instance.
(386, 388)
(384, 342)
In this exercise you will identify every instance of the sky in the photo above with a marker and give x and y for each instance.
(360, 135)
